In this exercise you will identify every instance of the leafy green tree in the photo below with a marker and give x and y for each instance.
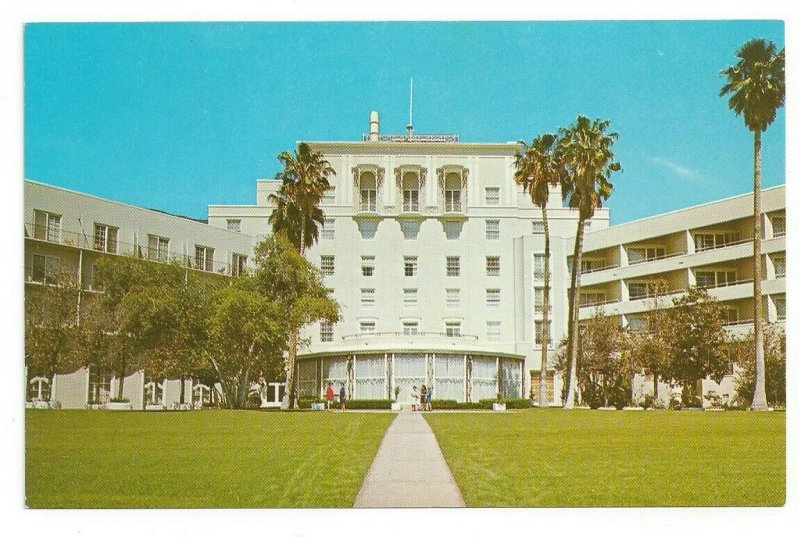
(537, 171)
(757, 88)
(51, 326)
(304, 180)
(775, 362)
(605, 370)
(650, 348)
(292, 282)
(585, 154)
(696, 334)
(245, 333)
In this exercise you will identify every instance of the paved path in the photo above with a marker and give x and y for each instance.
(409, 469)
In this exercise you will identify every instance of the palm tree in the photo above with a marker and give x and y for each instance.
(537, 171)
(584, 151)
(304, 180)
(757, 87)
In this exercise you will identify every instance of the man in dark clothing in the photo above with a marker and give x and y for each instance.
(341, 397)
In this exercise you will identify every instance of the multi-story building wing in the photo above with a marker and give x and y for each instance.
(66, 233)
(435, 255)
(629, 267)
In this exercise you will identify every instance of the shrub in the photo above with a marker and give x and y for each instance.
(444, 404)
(369, 404)
(119, 400)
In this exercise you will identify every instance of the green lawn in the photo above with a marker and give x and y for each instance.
(214, 458)
(555, 457)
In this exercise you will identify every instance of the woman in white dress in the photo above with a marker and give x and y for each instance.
(414, 398)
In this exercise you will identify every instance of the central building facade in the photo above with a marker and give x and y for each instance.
(435, 256)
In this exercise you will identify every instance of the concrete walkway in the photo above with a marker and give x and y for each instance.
(409, 469)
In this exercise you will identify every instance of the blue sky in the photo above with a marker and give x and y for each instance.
(177, 116)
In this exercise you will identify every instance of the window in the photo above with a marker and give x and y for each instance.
(537, 226)
(644, 289)
(326, 264)
(538, 332)
(780, 307)
(369, 193)
(709, 241)
(453, 266)
(642, 254)
(707, 279)
(730, 315)
(492, 195)
(410, 328)
(538, 300)
(204, 258)
(47, 226)
(368, 298)
(368, 265)
(778, 226)
(157, 248)
(239, 264)
(328, 229)
(538, 266)
(410, 265)
(591, 298)
(326, 331)
(452, 193)
(367, 327)
(329, 196)
(452, 298)
(410, 192)
(234, 224)
(44, 268)
(492, 266)
(493, 331)
(493, 298)
(779, 262)
(105, 238)
(492, 230)
(410, 298)
(452, 328)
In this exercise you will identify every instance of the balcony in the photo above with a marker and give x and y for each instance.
(82, 240)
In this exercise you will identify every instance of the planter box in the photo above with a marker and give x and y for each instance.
(154, 407)
(119, 406)
(396, 406)
(498, 407)
(607, 408)
(317, 406)
(711, 409)
(632, 408)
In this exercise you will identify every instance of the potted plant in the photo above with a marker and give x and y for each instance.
(395, 404)
(499, 405)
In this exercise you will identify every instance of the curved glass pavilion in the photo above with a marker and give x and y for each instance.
(373, 366)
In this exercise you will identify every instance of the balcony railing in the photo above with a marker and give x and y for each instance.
(86, 241)
(655, 258)
(351, 337)
(589, 270)
(722, 245)
(724, 284)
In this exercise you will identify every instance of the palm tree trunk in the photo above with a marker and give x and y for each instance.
(760, 395)
(545, 337)
(655, 388)
(572, 325)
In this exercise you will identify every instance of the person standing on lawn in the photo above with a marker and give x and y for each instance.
(428, 399)
(341, 397)
(414, 399)
(423, 396)
(329, 394)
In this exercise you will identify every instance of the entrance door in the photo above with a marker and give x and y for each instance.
(409, 371)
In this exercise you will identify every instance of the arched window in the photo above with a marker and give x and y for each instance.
(410, 192)
(452, 193)
(369, 192)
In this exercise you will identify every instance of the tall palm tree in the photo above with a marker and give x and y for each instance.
(304, 180)
(537, 171)
(757, 88)
(584, 151)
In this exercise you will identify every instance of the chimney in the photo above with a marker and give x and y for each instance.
(374, 126)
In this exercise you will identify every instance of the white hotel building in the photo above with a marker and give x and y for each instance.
(435, 256)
